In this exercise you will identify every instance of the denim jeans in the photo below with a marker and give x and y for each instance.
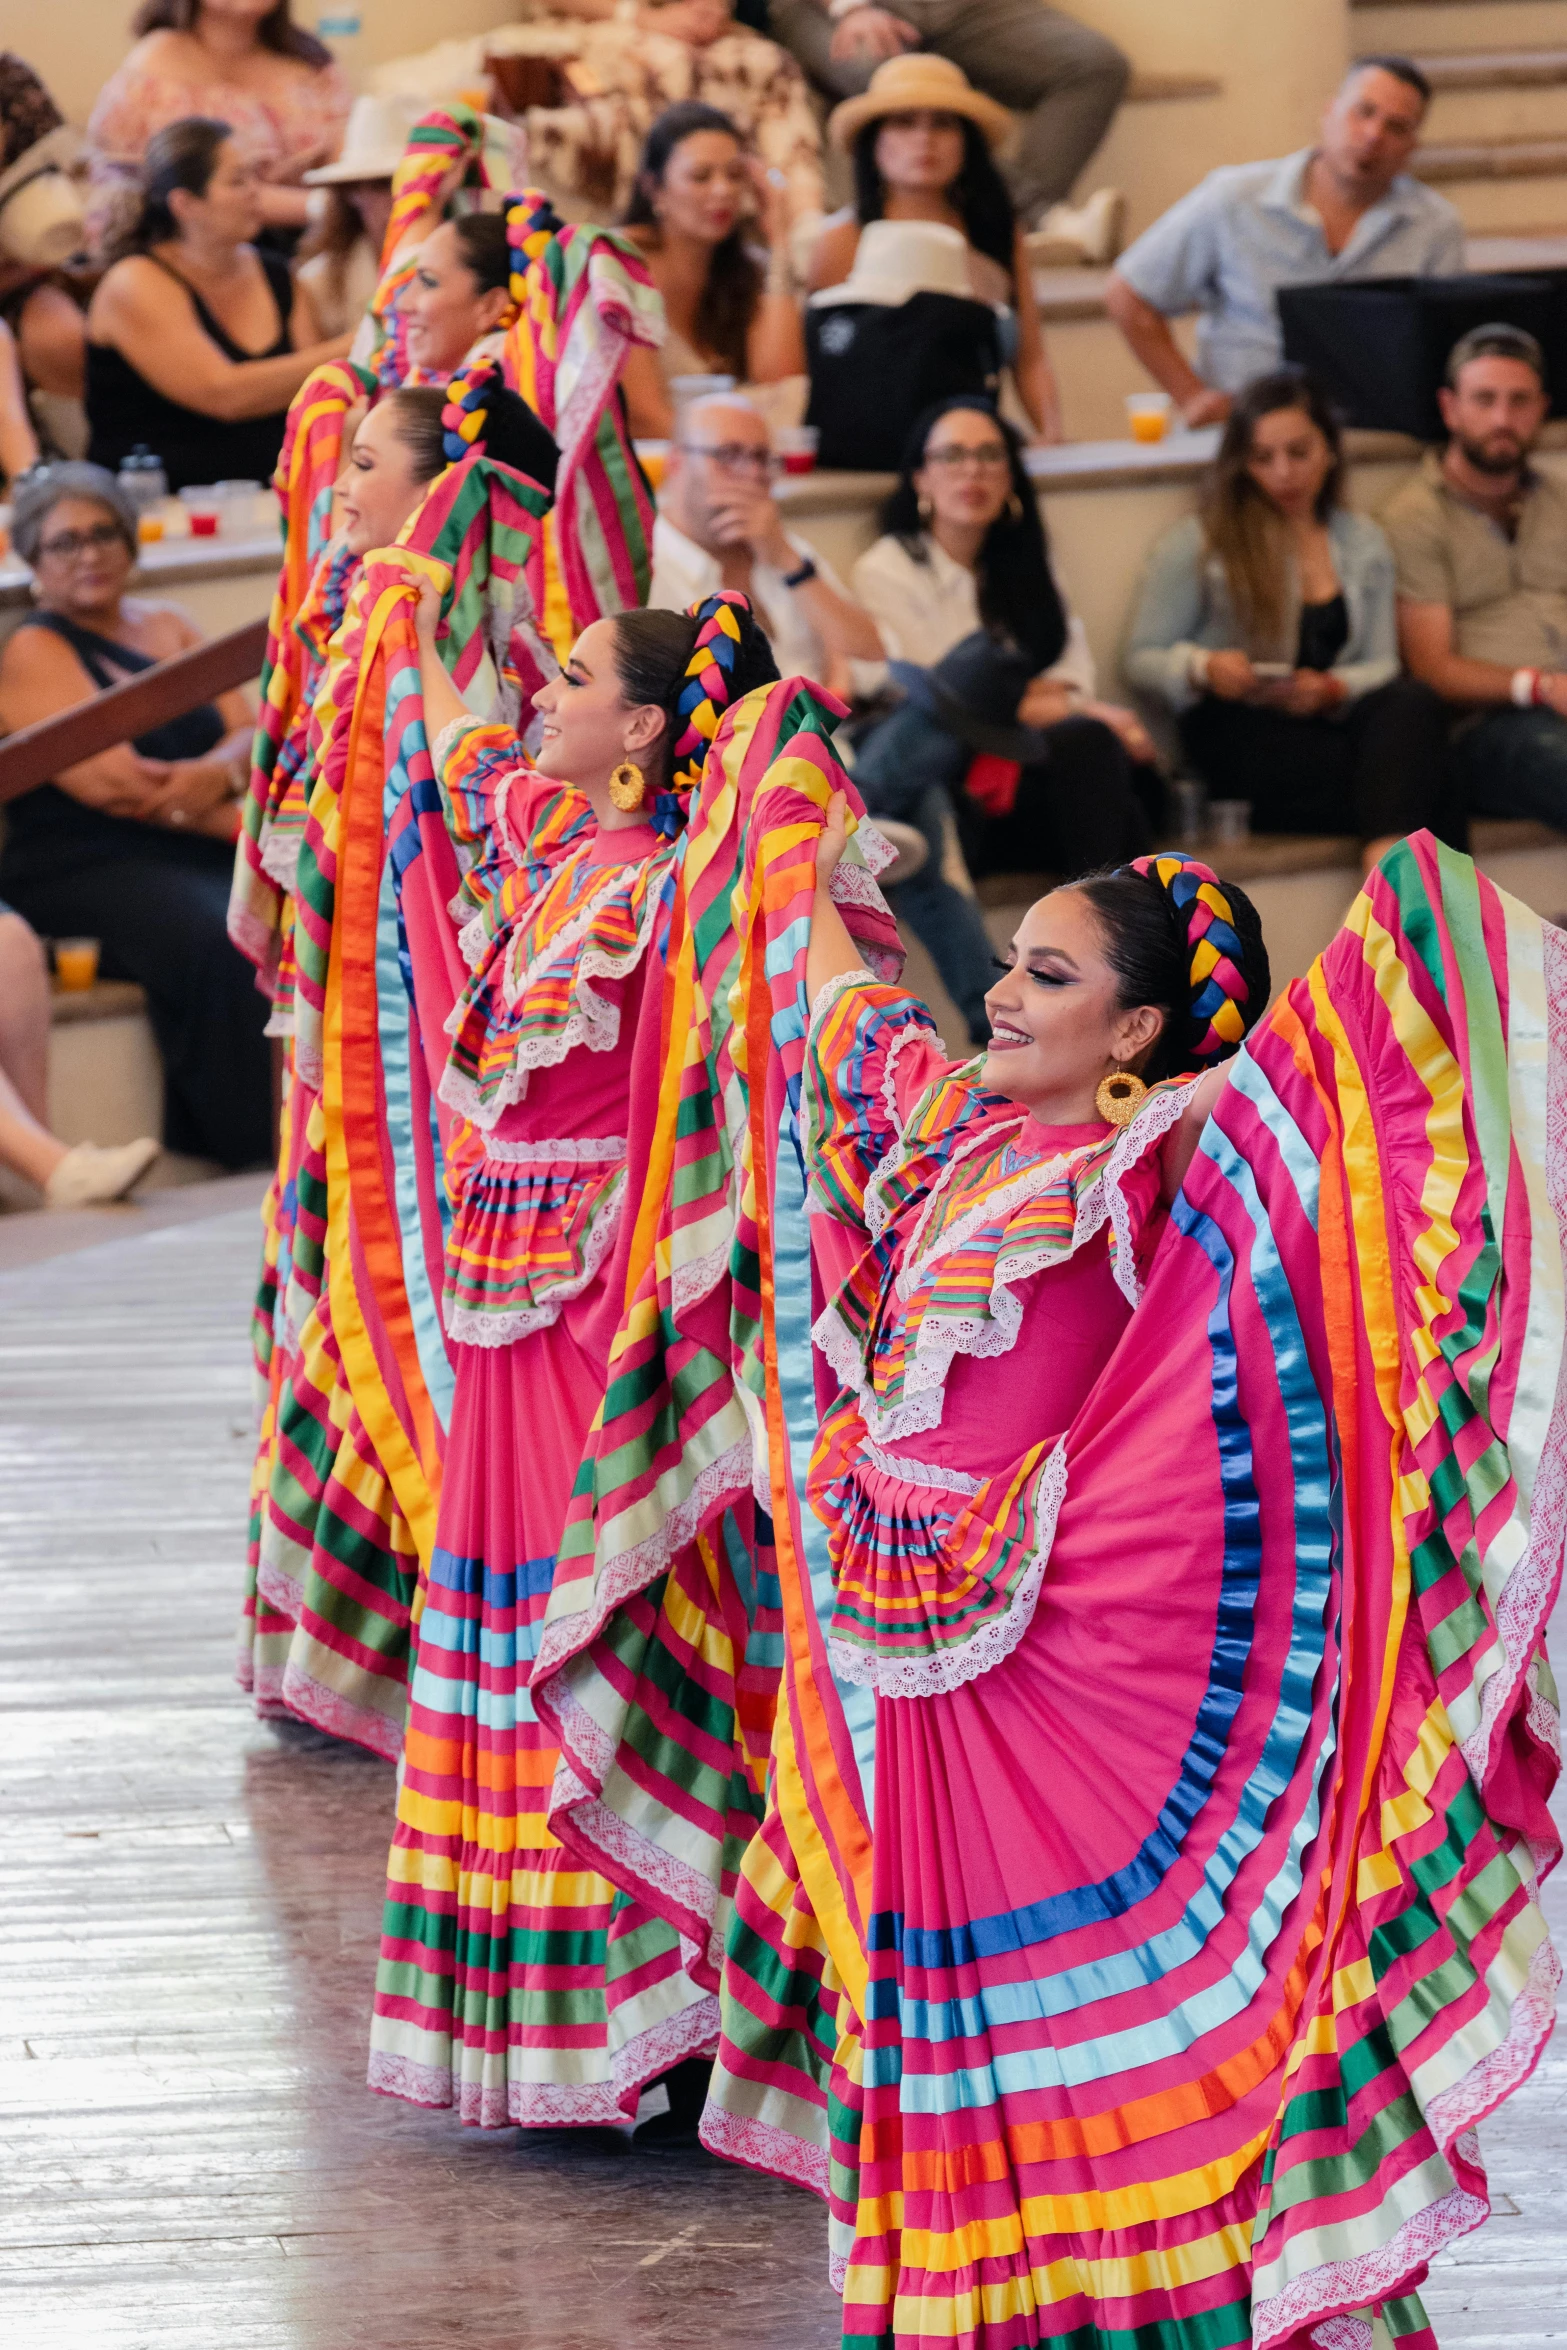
(1514, 763)
(909, 770)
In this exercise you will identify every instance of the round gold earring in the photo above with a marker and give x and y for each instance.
(628, 786)
(1119, 1097)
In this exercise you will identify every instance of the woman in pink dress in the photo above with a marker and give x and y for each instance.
(236, 61)
(513, 1982)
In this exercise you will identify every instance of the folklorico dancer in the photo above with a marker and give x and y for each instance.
(1147, 1906)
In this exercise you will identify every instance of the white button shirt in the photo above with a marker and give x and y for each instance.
(922, 610)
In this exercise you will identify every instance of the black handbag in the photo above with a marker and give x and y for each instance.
(875, 368)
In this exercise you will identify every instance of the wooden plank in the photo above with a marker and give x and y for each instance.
(34, 753)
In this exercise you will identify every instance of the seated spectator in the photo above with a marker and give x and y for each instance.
(1480, 541)
(718, 527)
(340, 259)
(923, 145)
(196, 342)
(698, 203)
(236, 61)
(1064, 79)
(964, 550)
(79, 1175)
(41, 227)
(1346, 208)
(1266, 623)
(458, 295)
(637, 62)
(135, 846)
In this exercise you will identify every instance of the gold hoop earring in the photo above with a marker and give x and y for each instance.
(1014, 508)
(924, 509)
(1119, 1097)
(628, 787)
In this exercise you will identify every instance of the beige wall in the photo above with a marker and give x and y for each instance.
(1278, 64)
(76, 44)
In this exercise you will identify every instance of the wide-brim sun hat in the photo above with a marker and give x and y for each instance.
(918, 83)
(373, 144)
(896, 259)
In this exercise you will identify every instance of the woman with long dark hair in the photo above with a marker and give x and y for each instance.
(962, 570)
(243, 61)
(1267, 623)
(196, 342)
(923, 143)
(713, 227)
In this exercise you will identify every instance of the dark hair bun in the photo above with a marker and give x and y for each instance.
(1178, 937)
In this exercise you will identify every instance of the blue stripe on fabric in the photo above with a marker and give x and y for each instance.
(500, 1591)
(941, 2021)
(1250, 1079)
(797, 1388)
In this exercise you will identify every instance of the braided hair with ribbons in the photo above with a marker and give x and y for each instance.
(696, 664)
(1220, 992)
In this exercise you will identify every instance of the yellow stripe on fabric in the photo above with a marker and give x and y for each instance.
(382, 1424)
(939, 2316)
(700, 1631)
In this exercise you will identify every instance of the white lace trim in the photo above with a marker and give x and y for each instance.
(985, 1338)
(569, 935)
(473, 1326)
(592, 1150)
(914, 1472)
(647, 1864)
(1530, 1589)
(622, 1577)
(594, 1023)
(447, 739)
(877, 1208)
(762, 2146)
(280, 860)
(854, 885)
(938, 1676)
(831, 989)
(690, 1283)
(1338, 2288)
(1453, 2111)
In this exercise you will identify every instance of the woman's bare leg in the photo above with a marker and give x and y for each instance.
(24, 1015)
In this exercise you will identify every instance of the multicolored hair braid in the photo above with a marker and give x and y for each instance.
(531, 221)
(1217, 959)
(703, 699)
(465, 417)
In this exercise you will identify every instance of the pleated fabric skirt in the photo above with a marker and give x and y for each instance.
(513, 1983)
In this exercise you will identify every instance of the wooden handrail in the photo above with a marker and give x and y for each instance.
(35, 753)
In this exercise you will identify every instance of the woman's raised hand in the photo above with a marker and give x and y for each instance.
(427, 612)
(834, 839)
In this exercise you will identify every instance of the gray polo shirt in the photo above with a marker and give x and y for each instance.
(1508, 596)
(1247, 229)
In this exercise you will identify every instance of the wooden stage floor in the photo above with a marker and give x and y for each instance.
(189, 2158)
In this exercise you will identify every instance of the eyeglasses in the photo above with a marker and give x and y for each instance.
(733, 457)
(956, 453)
(68, 544)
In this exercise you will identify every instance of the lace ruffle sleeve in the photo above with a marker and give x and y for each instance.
(511, 825)
(871, 1054)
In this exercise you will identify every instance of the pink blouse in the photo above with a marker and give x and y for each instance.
(286, 133)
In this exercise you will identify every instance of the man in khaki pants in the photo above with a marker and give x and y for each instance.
(1064, 80)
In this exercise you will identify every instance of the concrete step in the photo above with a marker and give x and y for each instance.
(1157, 88)
(1414, 26)
(1445, 162)
(105, 1078)
(1492, 69)
(1478, 115)
(1490, 207)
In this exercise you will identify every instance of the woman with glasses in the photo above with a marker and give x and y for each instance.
(135, 846)
(963, 553)
(712, 226)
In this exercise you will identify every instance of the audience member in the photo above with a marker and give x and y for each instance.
(1346, 208)
(633, 63)
(1065, 80)
(1480, 540)
(340, 260)
(69, 1176)
(236, 61)
(196, 342)
(1266, 623)
(719, 527)
(135, 845)
(458, 295)
(923, 144)
(963, 550)
(41, 226)
(698, 200)
(18, 441)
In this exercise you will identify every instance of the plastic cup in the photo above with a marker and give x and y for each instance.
(203, 526)
(149, 529)
(1148, 414)
(1231, 820)
(1191, 810)
(652, 456)
(75, 964)
(797, 445)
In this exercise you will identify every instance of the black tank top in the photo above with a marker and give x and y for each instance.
(47, 830)
(123, 408)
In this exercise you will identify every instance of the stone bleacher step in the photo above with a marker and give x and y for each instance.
(1156, 88)
(1493, 69)
(106, 999)
(1441, 163)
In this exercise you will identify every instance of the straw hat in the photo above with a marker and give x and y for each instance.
(373, 143)
(916, 82)
(897, 258)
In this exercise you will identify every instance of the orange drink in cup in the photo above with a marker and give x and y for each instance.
(75, 964)
(1148, 414)
(651, 456)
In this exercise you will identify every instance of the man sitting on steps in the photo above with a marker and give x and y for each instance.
(1346, 208)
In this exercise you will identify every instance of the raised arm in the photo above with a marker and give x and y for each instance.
(832, 951)
(1147, 330)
